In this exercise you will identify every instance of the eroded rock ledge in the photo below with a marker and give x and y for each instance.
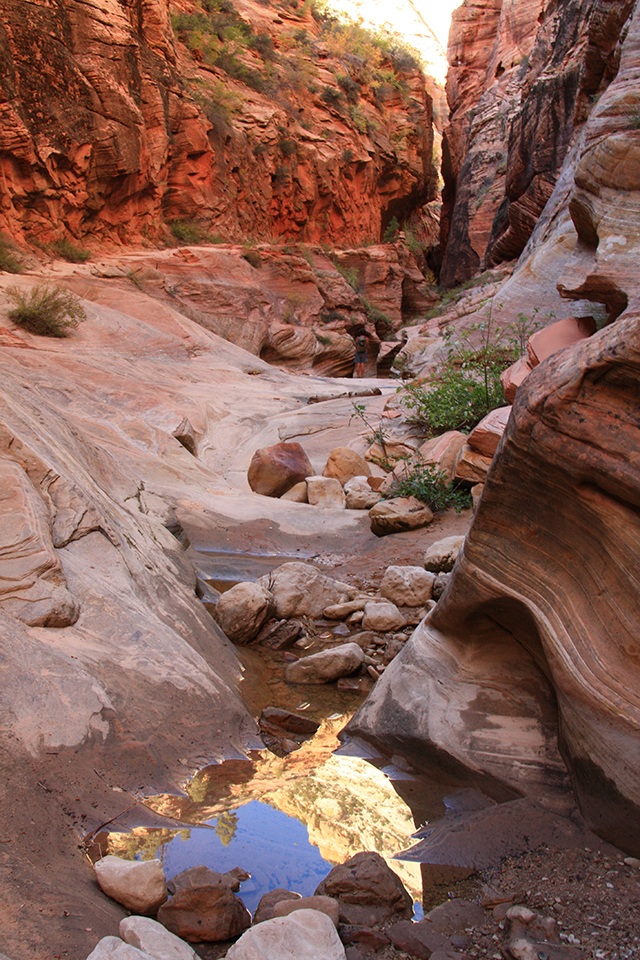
(543, 604)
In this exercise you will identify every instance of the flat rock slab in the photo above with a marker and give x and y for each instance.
(482, 839)
(33, 586)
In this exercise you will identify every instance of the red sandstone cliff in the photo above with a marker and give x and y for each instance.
(523, 77)
(110, 127)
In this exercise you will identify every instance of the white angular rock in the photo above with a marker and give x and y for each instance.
(359, 495)
(441, 556)
(139, 885)
(382, 616)
(303, 935)
(242, 610)
(325, 492)
(301, 590)
(151, 937)
(327, 665)
(407, 586)
(113, 948)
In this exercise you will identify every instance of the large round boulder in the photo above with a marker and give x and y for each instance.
(274, 470)
(203, 914)
(242, 610)
(442, 555)
(304, 935)
(343, 464)
(139, 885)
(326, 666)
(300, 590)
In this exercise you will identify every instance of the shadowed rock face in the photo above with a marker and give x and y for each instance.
(547, 583)
(523, 77)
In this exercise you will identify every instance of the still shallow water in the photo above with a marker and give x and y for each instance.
(288, 820)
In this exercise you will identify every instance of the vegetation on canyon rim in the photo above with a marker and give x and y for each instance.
(219, 37)
(45, 310)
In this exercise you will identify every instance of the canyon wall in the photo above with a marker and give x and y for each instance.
(547, 583)
(110, 128)
(524, 76)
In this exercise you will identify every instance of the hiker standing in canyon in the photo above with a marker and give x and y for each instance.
(360, 358)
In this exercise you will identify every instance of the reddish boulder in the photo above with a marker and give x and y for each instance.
(557, 336)
(274, 470)
(201, 914)
(365, 884)
(344, 464)
(513, 376)
(484, 438)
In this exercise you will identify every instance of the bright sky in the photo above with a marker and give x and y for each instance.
(417, 21)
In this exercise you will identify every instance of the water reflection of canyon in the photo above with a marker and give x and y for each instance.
(286, 820)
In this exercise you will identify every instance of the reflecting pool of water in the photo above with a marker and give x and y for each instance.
(287, 820)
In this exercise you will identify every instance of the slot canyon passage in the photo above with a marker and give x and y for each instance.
(320, 501)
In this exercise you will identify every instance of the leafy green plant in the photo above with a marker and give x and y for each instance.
(46, 310)
(324, 340)
(426, 483)
(8, 260)
(68, 250)
(350, 274)
(468, 385)
(376, 434)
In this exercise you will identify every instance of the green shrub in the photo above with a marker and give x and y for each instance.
(8, 259)
(456, 402)
(332, 97)
(287, 146)
(45, 310)
(468, 386)
(392, 230)
(426, 483)
(189, 232)
(69, 251)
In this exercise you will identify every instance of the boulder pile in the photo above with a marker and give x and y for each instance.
(360, 910)
(331, 631)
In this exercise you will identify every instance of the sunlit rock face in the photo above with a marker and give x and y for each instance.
(523, 77)
(109, 128)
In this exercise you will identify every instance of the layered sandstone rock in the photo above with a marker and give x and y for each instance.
(106, 139)
(523, 75)
(557, 602)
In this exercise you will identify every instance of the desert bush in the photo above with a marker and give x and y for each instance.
(68, 250)
(332, 97)
(392, 230)
(8, 259)
(46, 310)
(425, 482)
(468, 385)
